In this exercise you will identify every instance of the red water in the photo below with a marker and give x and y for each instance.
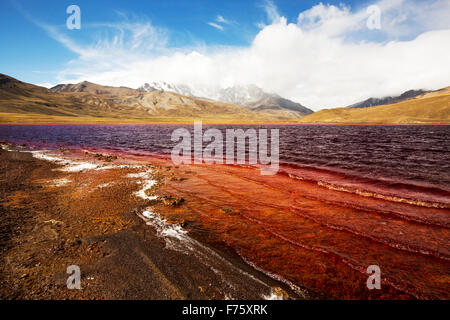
(346, 197)
(316, 237)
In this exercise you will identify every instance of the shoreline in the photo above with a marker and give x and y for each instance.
(287, 123)
(258, 223)
(420, 193)
(127, 253)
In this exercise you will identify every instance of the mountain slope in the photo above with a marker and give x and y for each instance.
(92, 88)
(24, 98)
(275, 104)
(434, 93)
(21, 97)
(92, 103)
(424, 109)
(160, 102)
(372, 102)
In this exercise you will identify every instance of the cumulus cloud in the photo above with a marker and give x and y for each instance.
(326, 58)
(330, 20)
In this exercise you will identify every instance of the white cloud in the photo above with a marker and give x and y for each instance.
(215, 25)
(330, 20)
(45, 85)
(327, 58)
(221, 19)
(271, 11)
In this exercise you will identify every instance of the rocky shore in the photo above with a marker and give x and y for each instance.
(96, 211)
(139, 227)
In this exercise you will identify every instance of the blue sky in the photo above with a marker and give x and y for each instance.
(30, 48)
(118, 39)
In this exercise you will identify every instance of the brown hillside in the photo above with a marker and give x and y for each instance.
(426, 110)
(86, 102)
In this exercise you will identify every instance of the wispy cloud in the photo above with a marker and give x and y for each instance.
(272, 14)
(271, 11)
(215, 25)
(221, 19)
(219, 22)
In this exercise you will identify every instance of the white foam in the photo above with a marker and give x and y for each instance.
(176, 238)
(44, 156)
(164, 229)
(5, 147)
(69, 165)
(146, 184)
(105, 185)
(107, 167)
(79, 166)
(143, 192)
(273, 296)
(120, 166)
(60, 182)
(276, 277)
(148, 214)
(140, 175)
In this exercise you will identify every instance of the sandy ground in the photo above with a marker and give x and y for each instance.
(98, 212)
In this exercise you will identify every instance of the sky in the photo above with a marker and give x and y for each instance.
(321, 54)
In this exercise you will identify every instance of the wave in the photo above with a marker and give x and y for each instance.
(348, 261)
(370, 194)
(412, 193)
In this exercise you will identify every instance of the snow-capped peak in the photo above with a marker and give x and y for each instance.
(248, 96)
(239, 94)
(164, 86)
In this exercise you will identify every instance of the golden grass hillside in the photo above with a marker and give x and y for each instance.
(88, 103)
(434, 109)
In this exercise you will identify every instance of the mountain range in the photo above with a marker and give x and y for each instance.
(372, 102)
(87, 102)
(247, 96)
(412, 107)
(162, 96)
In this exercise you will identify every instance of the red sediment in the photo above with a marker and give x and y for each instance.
(316, 237)
(309, 234)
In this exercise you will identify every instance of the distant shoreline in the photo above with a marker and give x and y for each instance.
(223, 123)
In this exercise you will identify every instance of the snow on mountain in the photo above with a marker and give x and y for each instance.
(164, 86)
(249, 96)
